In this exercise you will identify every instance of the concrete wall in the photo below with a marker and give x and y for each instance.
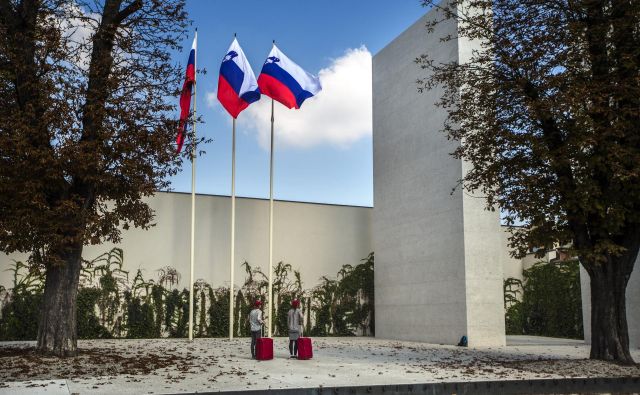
(438, 255)
(511, 267)
(315, 238)
(484, 277)
(633, 306)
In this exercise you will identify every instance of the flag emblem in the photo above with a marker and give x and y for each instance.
(237, 85)
(283, 80)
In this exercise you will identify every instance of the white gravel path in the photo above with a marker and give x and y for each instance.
(175, 365)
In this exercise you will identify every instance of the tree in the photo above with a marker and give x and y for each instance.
(86, 133)
(546, 111)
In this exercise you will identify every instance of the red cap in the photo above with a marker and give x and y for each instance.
(257, 303)
(295, 303)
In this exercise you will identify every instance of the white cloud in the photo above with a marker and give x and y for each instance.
(212, 99)
(77, 27)
(339, 115)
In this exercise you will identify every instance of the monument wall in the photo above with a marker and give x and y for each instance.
(439, 254)
(316, 239)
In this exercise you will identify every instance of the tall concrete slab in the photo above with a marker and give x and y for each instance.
(438, 265)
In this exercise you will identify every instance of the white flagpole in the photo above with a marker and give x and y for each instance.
(271, 226)
(193, 196)
(233, 226)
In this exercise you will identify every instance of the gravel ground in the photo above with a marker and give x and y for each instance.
(175, 365)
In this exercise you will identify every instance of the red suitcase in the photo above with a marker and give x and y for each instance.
(264, 349)
(305, 350)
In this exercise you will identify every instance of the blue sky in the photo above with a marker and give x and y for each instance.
(324, 152)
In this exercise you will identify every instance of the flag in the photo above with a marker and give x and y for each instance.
(237, 86)
(185, 96)
(284, 81)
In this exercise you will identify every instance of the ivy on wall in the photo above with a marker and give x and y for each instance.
(547, 303)
(345, 306)
(111, 305)
(20, 305)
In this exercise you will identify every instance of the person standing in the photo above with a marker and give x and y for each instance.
(295, 320)
(256, 322)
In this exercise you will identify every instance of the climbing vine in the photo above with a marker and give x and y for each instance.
(547, 302)
(345, 306)
(111, 304)
(20, 310)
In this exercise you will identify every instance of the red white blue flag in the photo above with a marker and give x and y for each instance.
(237, 85)
(284, 81)
(185, 96)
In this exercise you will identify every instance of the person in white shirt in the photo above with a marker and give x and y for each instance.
(255, 321)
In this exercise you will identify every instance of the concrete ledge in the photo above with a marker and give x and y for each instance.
(623, 385)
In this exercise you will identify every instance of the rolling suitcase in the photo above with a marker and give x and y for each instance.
(305, 350)
(264, 348)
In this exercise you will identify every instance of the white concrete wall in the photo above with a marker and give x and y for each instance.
(484, 277)
(438, 266)
(483, 249)
(633, 306)
(315, 238)
(511, 267)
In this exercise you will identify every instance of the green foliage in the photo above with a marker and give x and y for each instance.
(20, 317)
(324, 301)
(157, 297)
(357, 296)
(241, 311)
(21, 312)
(201, 291)
(307, 311)
(514, 320)
(111, 306)
(512, 305)
(139, 312)
(281, 324)
(551, 303)
(27, 278)
(139, 317)
(345, 306)
(175, 318)
(105, 273)
(182, 326)
(218, 313)
(89, 326)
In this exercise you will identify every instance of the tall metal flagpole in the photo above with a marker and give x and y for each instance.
(271, 225)
(193, 196)
(233, 224)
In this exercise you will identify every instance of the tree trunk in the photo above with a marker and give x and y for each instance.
(57, 330)
(609, 330)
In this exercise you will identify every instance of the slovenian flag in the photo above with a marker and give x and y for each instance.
(237, 86)
(185, 96)
(284, 81)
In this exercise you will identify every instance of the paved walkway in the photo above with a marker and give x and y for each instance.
(220, 364)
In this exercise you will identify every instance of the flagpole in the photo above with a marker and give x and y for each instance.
(233, 225)
(193, 198)
(271, 226)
